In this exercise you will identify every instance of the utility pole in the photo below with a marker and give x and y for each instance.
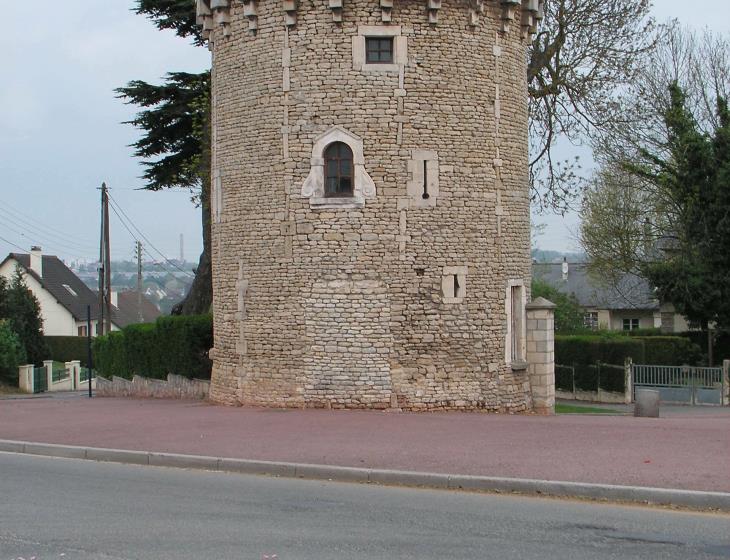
(182, 254)
(140, 318)
(100, 319)
(105, 272)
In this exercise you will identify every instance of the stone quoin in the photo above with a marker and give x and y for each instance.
(370, 204)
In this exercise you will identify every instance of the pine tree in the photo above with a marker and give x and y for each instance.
(696, 175)
(23, 313)
(175, 146)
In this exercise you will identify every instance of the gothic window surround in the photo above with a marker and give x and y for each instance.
(327, 189)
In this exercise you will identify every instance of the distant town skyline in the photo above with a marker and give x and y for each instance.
(62, 131)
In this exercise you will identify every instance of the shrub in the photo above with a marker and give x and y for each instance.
(170, 345)
(590, 377)
(612, 378)
(720, 347)
(586, 377)
(568, 312)
(644, 332)
(564, 378)
(670, 351)
(12, 354)
(591, 349)
(68, 348)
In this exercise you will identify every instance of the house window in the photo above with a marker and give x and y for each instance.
(379, 50)
(82, 330)
(590, 320)
(631, 324)
(339, 168)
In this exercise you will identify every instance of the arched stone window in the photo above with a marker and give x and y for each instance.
(339, 170)
(337, 177)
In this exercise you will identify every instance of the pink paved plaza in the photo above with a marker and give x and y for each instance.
(686, 451)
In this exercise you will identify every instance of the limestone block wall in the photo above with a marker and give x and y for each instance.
(383, 299)
(541, 354)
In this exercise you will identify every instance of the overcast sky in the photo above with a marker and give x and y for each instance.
(61, 133)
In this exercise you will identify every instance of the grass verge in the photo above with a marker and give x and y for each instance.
(562, 408)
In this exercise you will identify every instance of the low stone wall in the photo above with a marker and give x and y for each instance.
(175, 387)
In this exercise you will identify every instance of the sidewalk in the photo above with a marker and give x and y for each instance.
(682, 452)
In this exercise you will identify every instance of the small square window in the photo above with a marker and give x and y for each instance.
(631, 324)
(379, 50)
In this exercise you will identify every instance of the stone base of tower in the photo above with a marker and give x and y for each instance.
(402, 388)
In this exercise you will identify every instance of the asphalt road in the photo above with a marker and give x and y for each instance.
(61, 508)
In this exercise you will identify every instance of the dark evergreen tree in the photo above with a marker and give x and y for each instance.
(175, 146)
(23, 313)
(695, 171)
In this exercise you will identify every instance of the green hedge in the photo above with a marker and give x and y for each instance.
(590, 377)
(670, 351)
(563, 378)
(170, 345)
(720, 347)
(591, 349)
(654, 350)
(68, 349)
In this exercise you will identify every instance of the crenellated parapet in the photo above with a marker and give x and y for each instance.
(523, 14)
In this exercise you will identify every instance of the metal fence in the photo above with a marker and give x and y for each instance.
(59, 373)
(84, 374)
(40, 379)
(681, 384)
(590, 378)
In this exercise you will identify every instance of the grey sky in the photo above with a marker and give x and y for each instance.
(61, 133)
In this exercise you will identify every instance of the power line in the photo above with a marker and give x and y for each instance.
(12, 213)
(149, 243)
(48, 239)
(12, 244)
(54, 246)
(144, 247)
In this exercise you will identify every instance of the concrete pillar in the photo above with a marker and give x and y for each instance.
(647, 403)
(76, 374)
(48, 364)
(25, 378)
(541, 354)
(628, 381)
(726, 382)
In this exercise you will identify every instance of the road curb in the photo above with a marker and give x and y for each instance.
(563, 489)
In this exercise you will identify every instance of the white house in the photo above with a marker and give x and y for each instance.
(64, 298)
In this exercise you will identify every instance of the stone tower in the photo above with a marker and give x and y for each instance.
(370, 202)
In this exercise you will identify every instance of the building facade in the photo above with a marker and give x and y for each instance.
(64, 299)
(370, 203)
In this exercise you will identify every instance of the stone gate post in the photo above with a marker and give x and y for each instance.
(725, 398)
(541, 354)
(48, 364)
(25, 378)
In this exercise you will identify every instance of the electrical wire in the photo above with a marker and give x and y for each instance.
(12, 214)
(115, 204)
(144, 247)
(12, 244)
(40, 238)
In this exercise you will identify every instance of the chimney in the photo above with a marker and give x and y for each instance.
(565, 269)
(36, 260)
(115, 298)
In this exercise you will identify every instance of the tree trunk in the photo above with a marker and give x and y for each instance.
(200, 297)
